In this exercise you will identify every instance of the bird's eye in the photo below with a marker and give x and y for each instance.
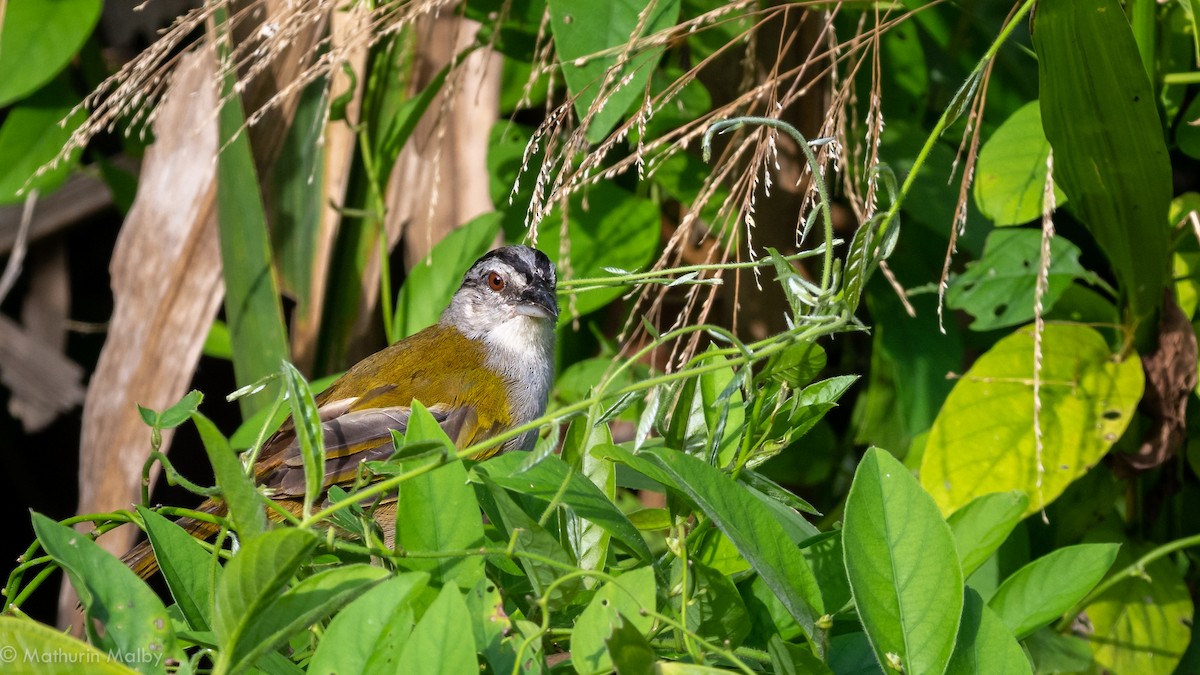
(495, 281)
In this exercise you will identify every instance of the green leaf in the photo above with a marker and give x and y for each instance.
(306, 603)
(39, 38)
(185, 564)
(589, 540)
(491, 624)
(1046, 588)
(441, 643)
(27, 646)
(752, 528)
(623, 598)
(244, 502)
(607, 227)
(985, 644)
(181, 411)
(630, 650)
(546, 478)
(531, 537)
(584, 29)
(902, 566)
(306, 421)
(1100, 115)
(375, 627)
(32, 136)
(1140, 625)
(124, 617)
(715, 610)
(1053, 652)
(252, 306)
(437, 512)
(999, 289)
(983, 438)
(432, 282)
(296, 236)
(811, 404)
(796, 365)
(252, 580)
(983, 524)
(1010, 178)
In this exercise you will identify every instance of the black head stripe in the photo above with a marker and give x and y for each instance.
(530, 262)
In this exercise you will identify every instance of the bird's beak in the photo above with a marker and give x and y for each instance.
(538, 303)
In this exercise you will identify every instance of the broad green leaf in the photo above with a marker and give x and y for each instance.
(375, 626)
(752, 528)
(827, 560)
(902, 566)
(531, 537)
(1110, 158)
(1140, 625)
(491, 624)
(1053, 652)
(29, 647)
(790, 659)
(309, 601)
(589, 540)
(724, 410)
(437, 512)
(983, 524)
(252, 580)
(38, 39)
(299, 245)
(796, 365)
(237, 490)
(252, 306)
(999, 290)
(985, 645)
(607, 227)
(31, 136)
(1044, 589)
(983, 439)
(306, 421)
(546, 480)
(630, 650)
(605, 71)
(715, 610)
(625, 597)
(124, 616)
(1010, 178)
(185, 564)
(850, 654)
(433, 280)
(441, 641)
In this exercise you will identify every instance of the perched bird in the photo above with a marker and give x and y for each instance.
(484, 368)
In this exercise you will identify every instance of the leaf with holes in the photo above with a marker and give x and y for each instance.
(999, 289)
(983, 439)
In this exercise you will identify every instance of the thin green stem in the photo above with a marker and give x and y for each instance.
(818, 178)
(664, 275)
(950, 114)
(1135, 569)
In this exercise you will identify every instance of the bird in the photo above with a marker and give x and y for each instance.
(484, 368)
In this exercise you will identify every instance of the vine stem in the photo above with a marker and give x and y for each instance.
(818, 179)
(1135, 569)
(951, 113)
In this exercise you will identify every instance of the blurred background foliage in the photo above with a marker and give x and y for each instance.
(187, 201)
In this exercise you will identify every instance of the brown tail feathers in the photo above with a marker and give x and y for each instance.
(141, 559)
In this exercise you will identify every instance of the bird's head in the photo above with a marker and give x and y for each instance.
(508, 290)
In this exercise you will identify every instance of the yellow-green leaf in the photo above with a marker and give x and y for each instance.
(983, 438)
